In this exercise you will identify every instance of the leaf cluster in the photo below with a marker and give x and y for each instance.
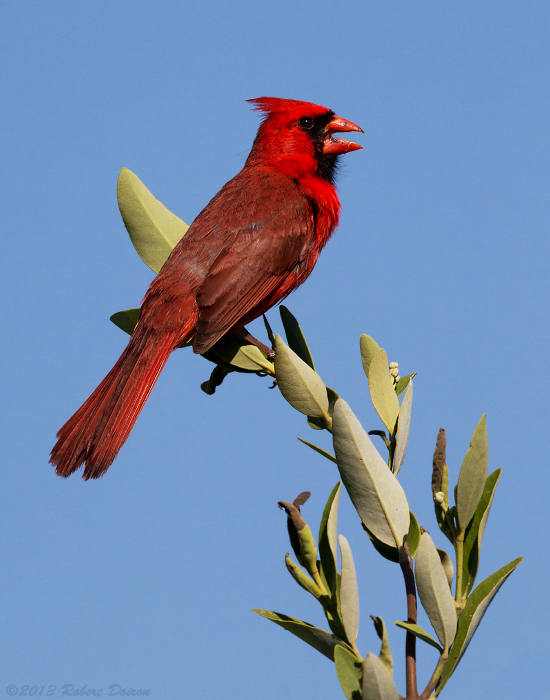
(380, 501)
(371, 482)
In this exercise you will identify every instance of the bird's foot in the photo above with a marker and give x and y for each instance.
(245, 335)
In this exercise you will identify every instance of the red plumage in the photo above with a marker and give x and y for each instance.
(256, 241)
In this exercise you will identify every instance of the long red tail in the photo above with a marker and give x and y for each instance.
(97, 431)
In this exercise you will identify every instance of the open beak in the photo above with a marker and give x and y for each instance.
(335, 145)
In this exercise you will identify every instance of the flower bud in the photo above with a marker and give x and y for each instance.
(300, 535)
(302, 578)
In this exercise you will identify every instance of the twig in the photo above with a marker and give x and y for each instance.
(428, 690)
(405, 562)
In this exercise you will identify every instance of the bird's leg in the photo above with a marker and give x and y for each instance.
(245, 335)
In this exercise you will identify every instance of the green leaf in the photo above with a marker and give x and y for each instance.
(236, 352)
(126, 321)
(375, 493)
(471, 616)
(382, 392)
(403, 425)
(319, 450)
(413, 537)
(328, 538)
(447, 564)
(377, 681)
(294, 336)
(473, 473)
(434, 592)
(317, 423)
(348, 668)
(269, 331)
(474, 533)
(385, 653)
(369, 348)
(420, 633)
(349, 593)
(301, 386)
(391, 552)
(403, 383)
(332, 399)
(319, 639)
(153, 229)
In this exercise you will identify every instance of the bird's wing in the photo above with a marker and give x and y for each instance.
(274, 239)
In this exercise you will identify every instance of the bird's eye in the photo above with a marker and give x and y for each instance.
(306, 123)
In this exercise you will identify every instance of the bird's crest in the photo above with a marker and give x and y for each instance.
(279, 105)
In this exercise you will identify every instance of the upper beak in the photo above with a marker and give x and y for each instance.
(335, 145)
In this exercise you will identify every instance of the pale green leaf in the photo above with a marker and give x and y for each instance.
(420, 633)
(319, 639)
(377, 681)
(374, 491)
(382, 392)
(434, 592)
(255, 355)
(348, 668)
(319, 450)
(447, 564)
(471, 616)
(403, 425)
(328, 538)
(349, 593)
(385, 653)
(301, 386)
(153, 229)
(236, 352)
(391, 552)
(473, 473)
(369, 348)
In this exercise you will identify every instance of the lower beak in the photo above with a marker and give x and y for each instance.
(338, 146)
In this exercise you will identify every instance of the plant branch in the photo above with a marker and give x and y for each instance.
(428, 690)
(406, 564)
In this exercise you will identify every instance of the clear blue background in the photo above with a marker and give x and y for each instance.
(146, 578)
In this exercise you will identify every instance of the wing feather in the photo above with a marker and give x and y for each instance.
(265, 253)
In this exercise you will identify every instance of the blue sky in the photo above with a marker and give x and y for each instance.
(146, 578)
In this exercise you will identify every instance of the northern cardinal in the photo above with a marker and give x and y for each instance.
(256, 241)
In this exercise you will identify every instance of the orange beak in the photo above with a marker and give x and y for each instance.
(335, 145)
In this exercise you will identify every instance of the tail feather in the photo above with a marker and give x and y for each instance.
(96, 432)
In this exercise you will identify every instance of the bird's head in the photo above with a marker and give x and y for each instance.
(298, 137)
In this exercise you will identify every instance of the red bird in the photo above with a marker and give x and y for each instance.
(256, 241)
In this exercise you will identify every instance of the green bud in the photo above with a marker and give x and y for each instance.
(308, 551)
(302, 578)
(299, 533)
